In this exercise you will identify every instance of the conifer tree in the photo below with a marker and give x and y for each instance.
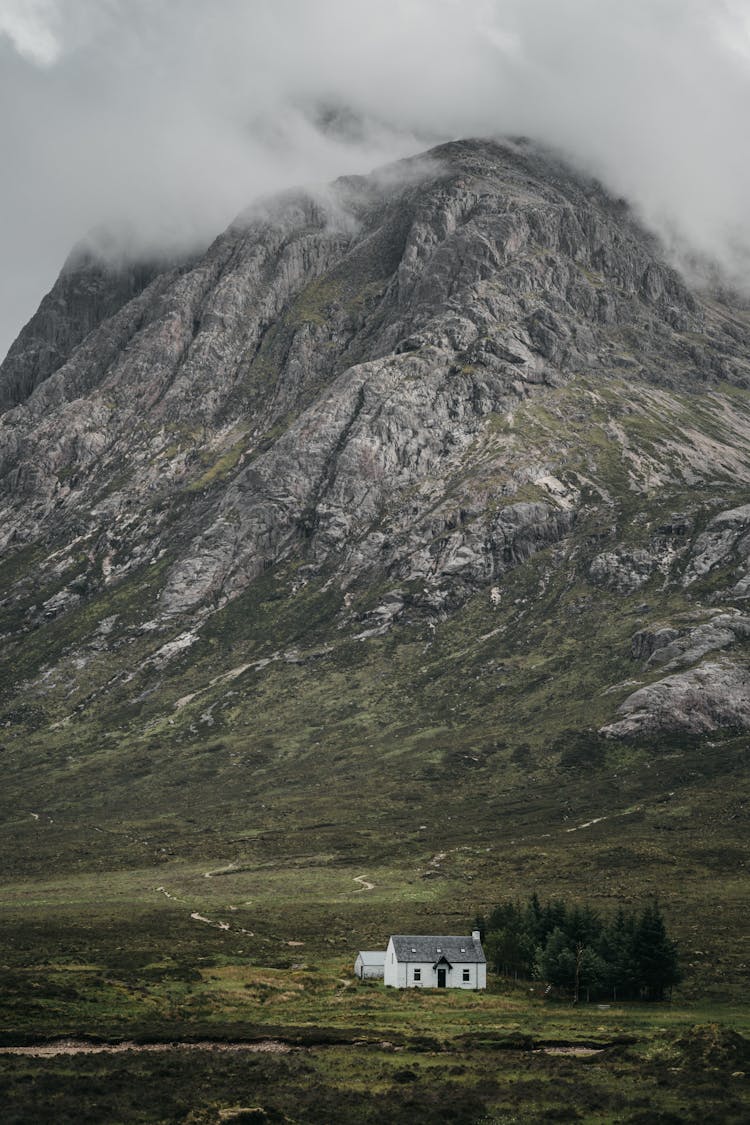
(554, 916)
(556, 960)
(616, 949)
(628, 957)
(654, 955)
(583, 925)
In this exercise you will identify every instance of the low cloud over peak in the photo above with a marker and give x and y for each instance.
(171, 115)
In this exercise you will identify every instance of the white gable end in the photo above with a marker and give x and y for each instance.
(369, 964)
(423, 961)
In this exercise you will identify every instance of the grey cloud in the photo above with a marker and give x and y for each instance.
(172, 115)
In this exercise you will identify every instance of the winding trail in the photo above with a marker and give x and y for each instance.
(588, 824)
(197, 917)
(219, 925)
(366, 886)
(228, 870)
(166, 893)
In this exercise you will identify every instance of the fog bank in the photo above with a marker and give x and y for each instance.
(172, 115)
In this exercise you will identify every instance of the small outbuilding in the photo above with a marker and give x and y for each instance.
(370, 964)
(426, 961)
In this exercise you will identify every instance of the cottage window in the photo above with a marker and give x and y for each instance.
(467, 974)
(417, 974)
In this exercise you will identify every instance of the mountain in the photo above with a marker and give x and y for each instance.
(410, 518)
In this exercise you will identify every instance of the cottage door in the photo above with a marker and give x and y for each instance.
(441, 978)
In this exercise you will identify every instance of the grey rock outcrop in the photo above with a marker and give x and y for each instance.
(648, 644)
(89, 291)
(623, 570)
(674, 648)
(725, 541)
(713, 696)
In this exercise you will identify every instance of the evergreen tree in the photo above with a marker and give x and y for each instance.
(616, 948)
(533, 919)
(571, 965)
(554, 916)
(591, 972)
(510, 946)
(654, 955)
(506, 916)
(583, 925)
(512, 952)
(628, 957)
(557, 961)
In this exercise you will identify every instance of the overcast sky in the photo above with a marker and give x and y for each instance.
(173, 114)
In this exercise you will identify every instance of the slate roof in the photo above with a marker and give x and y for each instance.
(372, 956)
(427, 947)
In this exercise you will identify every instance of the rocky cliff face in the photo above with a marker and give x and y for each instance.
(88, 292)
(469, 376)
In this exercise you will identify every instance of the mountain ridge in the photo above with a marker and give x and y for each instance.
(434, 478)
(545, 350)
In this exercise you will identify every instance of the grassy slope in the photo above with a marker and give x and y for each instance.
(450, 765)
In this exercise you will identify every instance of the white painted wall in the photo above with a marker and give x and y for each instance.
(401, 974)
(367, 972)
(390, 974)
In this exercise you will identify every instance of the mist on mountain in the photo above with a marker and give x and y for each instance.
(166, 117)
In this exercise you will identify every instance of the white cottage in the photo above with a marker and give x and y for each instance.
(370, 964)
(435, 962)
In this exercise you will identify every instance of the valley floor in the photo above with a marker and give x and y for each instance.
(204, 993)
(352, 1052)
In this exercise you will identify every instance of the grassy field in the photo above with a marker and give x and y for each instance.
(338, 1050)
(674, 1079)
(245, 951)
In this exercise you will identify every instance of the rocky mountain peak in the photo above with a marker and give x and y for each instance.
(401, 388)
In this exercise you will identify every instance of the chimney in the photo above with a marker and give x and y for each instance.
(475, 935)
